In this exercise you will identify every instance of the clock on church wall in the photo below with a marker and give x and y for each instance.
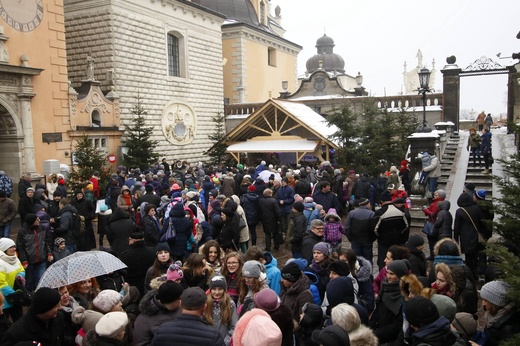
(22, 15)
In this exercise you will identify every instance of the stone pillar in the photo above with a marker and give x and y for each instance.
(420, 142)
(28, 135)
(451, 91)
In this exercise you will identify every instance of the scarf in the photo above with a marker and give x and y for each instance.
(491, 320)
(316, 267)
(444, 292)
(449, 260)
(127, 198)
(391, 296)
(12, 260)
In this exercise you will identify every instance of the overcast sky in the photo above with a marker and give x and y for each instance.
(375, 37)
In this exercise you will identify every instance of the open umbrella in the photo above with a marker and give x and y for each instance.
(266, 174)
(80, 266)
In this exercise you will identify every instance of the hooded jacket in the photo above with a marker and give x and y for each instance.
(273, 273)
(269, 213)
(153, 314)
(443, 225)
(33, 244)
(463, 231)
(65, 228)
(249, 203)
(119, 228)
(296, 296)
(183, 230)
(359, 226)
(361, 188)
(392, 227)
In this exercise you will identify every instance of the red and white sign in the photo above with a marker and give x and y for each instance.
(111, 158)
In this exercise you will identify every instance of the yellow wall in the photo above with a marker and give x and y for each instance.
(45, 48)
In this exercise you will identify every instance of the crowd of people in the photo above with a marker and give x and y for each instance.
(196, 275)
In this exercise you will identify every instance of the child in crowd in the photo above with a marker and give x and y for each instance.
(333, 230)
(221, 311)
(59, 251)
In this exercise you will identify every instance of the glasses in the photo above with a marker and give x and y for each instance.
(319, 228)
(232, 263)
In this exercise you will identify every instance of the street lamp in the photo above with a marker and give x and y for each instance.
(424, 81)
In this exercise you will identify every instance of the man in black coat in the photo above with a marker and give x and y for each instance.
(270, 216)
(149, 197)
(138, 258)
(86, 241)
(189, 328)
(64, 224)
(41, 324)
(24, 184)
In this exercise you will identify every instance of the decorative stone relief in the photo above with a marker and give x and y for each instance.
(96, 101)
(8, 80)
(179, 123)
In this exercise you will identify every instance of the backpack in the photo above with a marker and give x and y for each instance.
(79, 226)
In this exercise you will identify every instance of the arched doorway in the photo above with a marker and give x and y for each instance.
(11, 141)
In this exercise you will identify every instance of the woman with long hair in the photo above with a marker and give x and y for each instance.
(213, 255)
(254, 281)
(195, 272)
(361, 270)
(320, 263)
(232, 271)
(222, 311)
(160, 265)
(84, 291)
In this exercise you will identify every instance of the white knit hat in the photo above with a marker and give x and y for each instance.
(111, 324)
(495, 292)
(106, 300)
(6, 243)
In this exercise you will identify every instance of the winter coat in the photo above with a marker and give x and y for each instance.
(296, 230)
(387, 318)
(187, 330)
(311, 213)
(273, 273)
(269, 214)
(309, 240)
(230, 234)
(361, 188)
(152, 230)
(437, 333)
(29, 328)
(183, 230)
(443, 225)
(359, 226)
(10, 268)
(418, 261)
(392, 227)
(463, 231)
(226, 331)
(23, 185)
(227, 187)
(33, 244)
(151, 198)
(7, 211)
(473, 141)
(296, 296)
(243, 221)
(432, 210)
(327, 200)
(65, 225)
(153, 315)
(138, 258)
(119, 228)
(504, 328)
(249, 203)
(434, 168)
(26, 206)
(285, 194)
(302, 188)
(485, 145)
(466, 296)
(365, 278)
(362, 336)
(322, 274)
(86, 209)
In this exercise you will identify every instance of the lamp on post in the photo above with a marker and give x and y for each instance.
(424, 81)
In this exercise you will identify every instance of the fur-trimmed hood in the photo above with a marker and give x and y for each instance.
(150, 306)
(410, 284)
(442, 241)
(363, 336)
(364, 273)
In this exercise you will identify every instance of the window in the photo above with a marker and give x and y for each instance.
(99, 143)
(271, 56)
(173, 56)
(95, 118)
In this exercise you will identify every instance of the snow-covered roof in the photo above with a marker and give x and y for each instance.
(424, 135)
(258, 145)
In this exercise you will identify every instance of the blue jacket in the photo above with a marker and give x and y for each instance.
(187, 330)
(285, 194)
(273, 274)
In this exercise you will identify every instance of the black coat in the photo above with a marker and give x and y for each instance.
(269, 214)
(65, 224)
(463, 231)
(33, 245)
(29, 328)
(309, 240)
(249, 203)
(187, 330)
(119, 228)
(138, 259)
(151, 231)
(417, 261)
(26, 206)
(230, 234)
(183, 229)
(443, 225)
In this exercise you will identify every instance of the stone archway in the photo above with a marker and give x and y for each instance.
(11, 141)
(482, 66)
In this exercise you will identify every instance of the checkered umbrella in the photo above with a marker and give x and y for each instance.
(80, 266)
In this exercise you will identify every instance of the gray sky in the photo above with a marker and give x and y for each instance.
(376, 37)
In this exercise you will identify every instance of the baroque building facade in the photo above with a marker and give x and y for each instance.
(168, 53)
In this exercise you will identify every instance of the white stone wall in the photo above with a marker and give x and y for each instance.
(128, 40)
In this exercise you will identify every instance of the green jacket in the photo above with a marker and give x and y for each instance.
(474, 141)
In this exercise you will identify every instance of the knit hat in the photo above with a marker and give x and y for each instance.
(106, 300)
(256, 327)
(495, 292)
(169, 291)
(445, 306)
(267, 300)
(465, 323)
(86, 318)
(339, 267)
(332, 213)
(469, 188)
(301, 262)
(193, 298)
(162, 247)
(218, 281)
(111, 324)
(103, 208)
(44, 300)
(175, 187)
(6, 243)
(30, 189)
(331, 336)
(340, 290)
(398, 267)
(308, 200)
(137, 235)
(298, 206)
(251, 188)
(30, 219)
(174, 272)
(415, 240)
(386, 196)
(148, 188)
(481, 194)
(252, 269)
(322, 247)
(421, 311)
(291, 272)
(58, 241)
(363, 201)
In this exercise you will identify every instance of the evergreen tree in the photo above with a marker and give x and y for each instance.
(217, 152)
(138, 139)
(88, 160)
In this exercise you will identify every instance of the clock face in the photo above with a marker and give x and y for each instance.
(22, 15)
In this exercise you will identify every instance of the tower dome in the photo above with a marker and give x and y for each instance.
(330, 61)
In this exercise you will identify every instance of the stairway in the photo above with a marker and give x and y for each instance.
(481, 181)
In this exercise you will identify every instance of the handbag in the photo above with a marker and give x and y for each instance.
(169, 234)
(428, 227)
(481, 238)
